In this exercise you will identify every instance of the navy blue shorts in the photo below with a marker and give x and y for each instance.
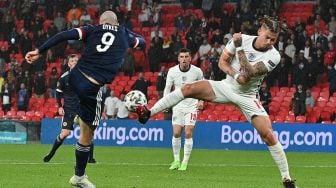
(68, 120)
(90, 97)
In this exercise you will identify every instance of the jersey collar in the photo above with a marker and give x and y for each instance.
(184, 70)
(260, 50)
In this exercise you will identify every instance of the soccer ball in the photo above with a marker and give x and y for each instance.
(133, 99)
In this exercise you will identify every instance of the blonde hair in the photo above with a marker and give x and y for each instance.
(270, 23)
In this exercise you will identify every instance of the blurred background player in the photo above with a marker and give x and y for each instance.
(67, 110)
(185, 112)
(246, 60)
(105, 47)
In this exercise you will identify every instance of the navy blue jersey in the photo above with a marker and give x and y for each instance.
(105, 48)
(71, 100)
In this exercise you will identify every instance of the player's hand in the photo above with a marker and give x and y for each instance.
(242, 79)
(32, 56)
(61, 111)
(237, 39)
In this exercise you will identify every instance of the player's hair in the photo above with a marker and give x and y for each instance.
(71, 56)
(184, 50)
(270, 23)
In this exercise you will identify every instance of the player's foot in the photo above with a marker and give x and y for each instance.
(183, 167)
(175, 165)
(48, 157)
(92, 160)
(143, 114)
(81, 181)
(289, 184)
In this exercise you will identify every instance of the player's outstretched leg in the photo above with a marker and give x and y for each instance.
(58, 142)
(91, 158)
(164, 103)
(143, 114)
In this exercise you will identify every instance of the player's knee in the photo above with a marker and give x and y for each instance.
(187, 90)
(188, 135)
(269, 138)
(65, 133)
(176, 135)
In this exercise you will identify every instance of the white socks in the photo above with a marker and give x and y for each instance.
(167, 101)
(188, 145)
(280, 159)
(176, 144)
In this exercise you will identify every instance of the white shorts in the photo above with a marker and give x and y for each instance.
(249, 105)
(184, 118)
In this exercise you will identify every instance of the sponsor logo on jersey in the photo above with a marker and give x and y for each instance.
(251, 57)
(271, 63)
(65, 124)
(184, 78)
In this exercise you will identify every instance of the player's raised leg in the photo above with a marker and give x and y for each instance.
(264, 128)
(201, 90)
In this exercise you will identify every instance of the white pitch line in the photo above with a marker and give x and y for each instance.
(8, 162)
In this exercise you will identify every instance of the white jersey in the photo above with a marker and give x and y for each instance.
(178, 78)
(270, 58)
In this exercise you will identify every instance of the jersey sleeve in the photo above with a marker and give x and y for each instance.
(230, 47)
(60, 85)
(200, 75)
(72, 34)
(169, 82)
(135, 40)
(272, 60)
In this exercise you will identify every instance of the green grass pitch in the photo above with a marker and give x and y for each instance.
(21, 166)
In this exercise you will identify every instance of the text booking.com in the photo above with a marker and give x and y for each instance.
(286, 138)
(122, 134)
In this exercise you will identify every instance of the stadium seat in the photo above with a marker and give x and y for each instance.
(325, 116)
(30, 113)
(20, 114)
(234, 118)
(279, 119)
(49, 114)
(312, 119)
(300, 119)
(213, 117)
(11, 115)
(290, 119)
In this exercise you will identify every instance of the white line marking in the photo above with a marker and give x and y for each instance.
(10, 162)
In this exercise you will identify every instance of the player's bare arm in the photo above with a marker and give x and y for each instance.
(250, 70)
(225, 63)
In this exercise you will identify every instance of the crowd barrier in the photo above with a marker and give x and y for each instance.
(207, 135)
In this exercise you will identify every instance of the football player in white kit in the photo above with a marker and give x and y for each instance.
(185, 112)
(246, 60)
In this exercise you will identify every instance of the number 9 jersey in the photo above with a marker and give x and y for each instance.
(105, 48)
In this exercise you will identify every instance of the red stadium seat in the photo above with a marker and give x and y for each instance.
(301, 119)
(325, 116)
(290, 119)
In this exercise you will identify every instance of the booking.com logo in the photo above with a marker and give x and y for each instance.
(122, 134)
(286, 138)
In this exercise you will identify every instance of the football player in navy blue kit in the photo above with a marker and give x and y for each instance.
(105, 47)
(67, 110)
